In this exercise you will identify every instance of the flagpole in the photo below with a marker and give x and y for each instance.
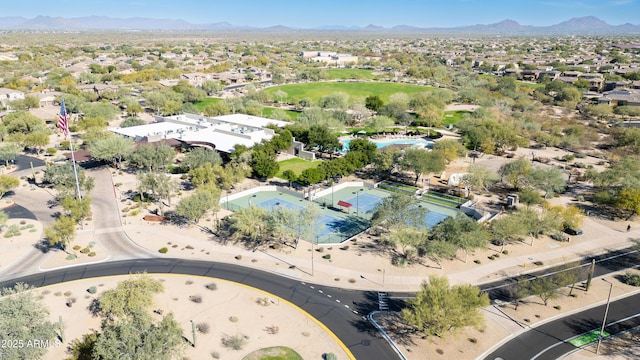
(63, 124)
(73, 161)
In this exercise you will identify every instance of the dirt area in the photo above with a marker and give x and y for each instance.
(230, 309)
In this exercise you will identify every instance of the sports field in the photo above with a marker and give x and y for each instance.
(297, 165)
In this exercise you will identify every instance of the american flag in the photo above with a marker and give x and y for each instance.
(63, 124)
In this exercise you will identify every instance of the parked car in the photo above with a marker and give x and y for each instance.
(559, 237)
(572, 231)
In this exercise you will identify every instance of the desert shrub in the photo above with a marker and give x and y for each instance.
(346, 247)
(85, 251)
(92, 254)
(51, 151)
(233, 319)
(67, 293)
(236, 342)
(77, 247)
(238, 257)
(163, 250)
(320, 249)
(188, 282)
(92, 290)
(330, 356)
(630, 278)
(202, 327)
(212, 286)
(196, 299)
(215, 355)
(263, 301)
(327, 256)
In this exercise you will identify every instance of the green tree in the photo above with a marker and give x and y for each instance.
(507, 229)
(548, 179)
(386, 160)
(37, 140)
(195, 206)
(140, 338)
(450, 148)
(290, 176)
(7, 183)
(131, 121)
(113, 149)
(211, 87)
(439, 308)
(9, 151)
(198, 156)
(264, 164)
(24, 319)
(516, 172)
(204, 174)
(462, 231)
(63, 180)
(480, 178)
(216, 109)
(321, 137)
(253, 224)
(409, 239)
(379, 123)
(130, 297)
(153, 157)
(373, 102)
(399, 210)
(629, 199)
(23, 122)
(544, 287)
(336, 100)
(420, 161)
(76, 209)
(62, 232)
(364, 146)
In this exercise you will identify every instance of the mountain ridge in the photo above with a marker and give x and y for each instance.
(577, 25)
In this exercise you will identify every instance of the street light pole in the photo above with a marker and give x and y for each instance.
(606, 312)
(357, 202)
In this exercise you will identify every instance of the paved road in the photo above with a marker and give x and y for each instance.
(606, 263)
(340, 310)
(107, 222)
(549, 341)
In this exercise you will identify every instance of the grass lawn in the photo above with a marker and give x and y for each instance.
(452, 117)
(267, 111)
(200, 105)
(297, 165)
(274, 353)
(530, 85)
(355, 89)
(347, 74)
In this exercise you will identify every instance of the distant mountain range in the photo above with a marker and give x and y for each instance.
(588, 25)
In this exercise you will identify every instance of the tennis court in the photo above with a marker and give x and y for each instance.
(362, 200)
(331, 227)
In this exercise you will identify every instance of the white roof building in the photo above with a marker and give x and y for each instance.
(220, 132)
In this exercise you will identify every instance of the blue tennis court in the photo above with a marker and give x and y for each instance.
(365, 202)
(334, 225)
(274, 202)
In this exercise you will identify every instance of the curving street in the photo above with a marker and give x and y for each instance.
(550, 340)
(340, 310)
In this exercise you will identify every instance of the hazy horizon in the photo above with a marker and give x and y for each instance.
(297, 14)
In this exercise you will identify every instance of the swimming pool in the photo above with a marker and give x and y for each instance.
(422, 143)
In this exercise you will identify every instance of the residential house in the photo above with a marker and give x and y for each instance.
(8, 95)
(621, 97)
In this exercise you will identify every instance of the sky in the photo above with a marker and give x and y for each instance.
(314, 13)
